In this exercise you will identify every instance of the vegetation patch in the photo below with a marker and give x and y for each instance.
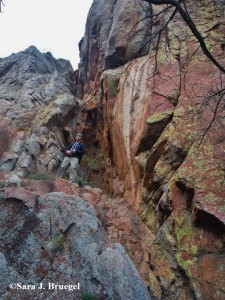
(41, 176)
(92, 164)
(56, 243)
(81, 181)
(87, 296)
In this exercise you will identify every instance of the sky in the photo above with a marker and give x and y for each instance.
(50, 25)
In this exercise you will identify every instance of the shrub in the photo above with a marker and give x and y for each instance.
(81, 181)
(41, 176)
(92, 164)
(56, 243)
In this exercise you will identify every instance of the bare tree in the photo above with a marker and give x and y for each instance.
(214, 99)
(180, 7)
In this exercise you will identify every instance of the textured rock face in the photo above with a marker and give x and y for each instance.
(36, 102)
(110, 40)
(163, 137)
(55, 238)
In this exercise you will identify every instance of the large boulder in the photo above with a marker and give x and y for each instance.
(55, 248)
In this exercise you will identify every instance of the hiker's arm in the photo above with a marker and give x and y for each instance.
(68, 147)
(82, 150)
(67, 151)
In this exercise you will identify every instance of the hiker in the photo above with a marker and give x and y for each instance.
(74, 153)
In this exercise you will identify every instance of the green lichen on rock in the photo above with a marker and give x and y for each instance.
(113, 87)
(154, 285)
(163, 170)
(185, 264)
(161, 53)
(112, 78)
(148, 217)
(184, 231)
(179, 111)
(206, 176)
(159, 116)
(212, 199)
(177, 41)
(46, 111)
(173, 98)
(187, 249)
(207, 169)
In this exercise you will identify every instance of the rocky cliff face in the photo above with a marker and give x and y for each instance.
(161, 102)
(37, 108)
(52, 245)
(155, 104)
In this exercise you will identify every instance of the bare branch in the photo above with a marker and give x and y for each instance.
(185, 16)
(211, 96)
(214, 115)
(162, 11)
(159, 32)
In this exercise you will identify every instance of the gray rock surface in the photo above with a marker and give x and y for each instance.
(56, 238)
(116, 32)
(36, 91)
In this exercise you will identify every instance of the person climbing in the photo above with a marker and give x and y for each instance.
(74, 153)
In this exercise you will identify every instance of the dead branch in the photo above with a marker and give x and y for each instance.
(159, 32)
(214, 115)
(187, 19)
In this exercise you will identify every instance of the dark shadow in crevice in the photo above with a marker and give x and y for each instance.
(188, 193)
(209, 222)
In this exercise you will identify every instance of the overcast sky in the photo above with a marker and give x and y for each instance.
(50, 25)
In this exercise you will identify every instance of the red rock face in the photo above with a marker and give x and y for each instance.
(163, 138)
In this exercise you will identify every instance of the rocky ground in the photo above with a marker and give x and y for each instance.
(50, 234)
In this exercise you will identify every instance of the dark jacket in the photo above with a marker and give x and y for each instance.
(79, 150)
